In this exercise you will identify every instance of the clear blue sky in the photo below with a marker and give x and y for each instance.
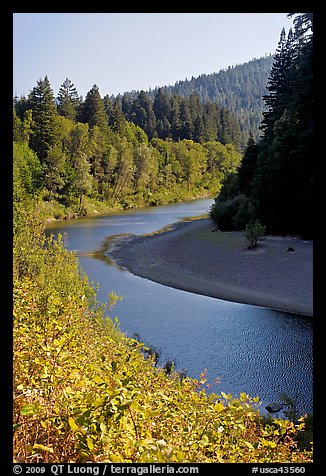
(124, 51)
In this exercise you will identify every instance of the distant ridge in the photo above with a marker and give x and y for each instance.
(237, 88)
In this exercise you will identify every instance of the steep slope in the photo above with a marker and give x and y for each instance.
(239, 89)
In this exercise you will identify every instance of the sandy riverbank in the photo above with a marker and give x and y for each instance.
(194, 258)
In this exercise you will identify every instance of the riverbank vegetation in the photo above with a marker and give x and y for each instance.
(85, 157)
(85, 392)
(274, 183)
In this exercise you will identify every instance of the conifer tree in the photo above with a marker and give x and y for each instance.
(126, 105)
(282, 185)
(53, 170)
(199, 129)
(248, 166)
(186, 121)
(161, 106)
(68, 100)
(117, 120)
(44, 111)
(21, 106)
(17, 126)
(279, 83)
(93, 110)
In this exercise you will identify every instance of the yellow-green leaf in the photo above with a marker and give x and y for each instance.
(28, 410)
(73, 424)
(106, 439)
(42, 448)
(243, 397)
(116, 458)
(250, 446)
(180, 456)
(270, 444)
(90, 444)
(103, 427)
(218, 407)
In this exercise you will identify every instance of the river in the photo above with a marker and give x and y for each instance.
(247, 348)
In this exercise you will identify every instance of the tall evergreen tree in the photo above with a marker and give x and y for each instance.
(93, 110)
(17, 126)
(44, 111)
(303, 25)
(141, 110)
(21, 106)
(279, 83)
(161, 106)
(230, 129)
(282, 185)
(68, 100)
(199, 129)
(117, 120)
(248, 166)
(81, 180)
(126, 105)
(53, 170)
(186, 121)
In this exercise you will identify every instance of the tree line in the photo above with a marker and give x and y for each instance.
(72, 151)
(274, 183)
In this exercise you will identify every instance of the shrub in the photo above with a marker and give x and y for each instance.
(254, 230)
(231, 214)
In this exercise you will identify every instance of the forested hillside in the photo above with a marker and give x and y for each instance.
(275, 181)
(85, 156)
(238, 89)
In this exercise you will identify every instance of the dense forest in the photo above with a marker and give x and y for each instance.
(274, 183)
(175, 117)
(238, 89)
(85, 154)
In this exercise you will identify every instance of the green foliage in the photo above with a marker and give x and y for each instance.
(68, 100)
(26, 171)
(120, 171)
(93, 111)
(170, 116)
(254, 231)
(110, 161)
(82, 390)
(42, 104)
(231, 213)
(248, 166)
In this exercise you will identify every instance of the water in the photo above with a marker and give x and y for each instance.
(249, 349)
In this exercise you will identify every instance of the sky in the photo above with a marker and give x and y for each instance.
(122, 52)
